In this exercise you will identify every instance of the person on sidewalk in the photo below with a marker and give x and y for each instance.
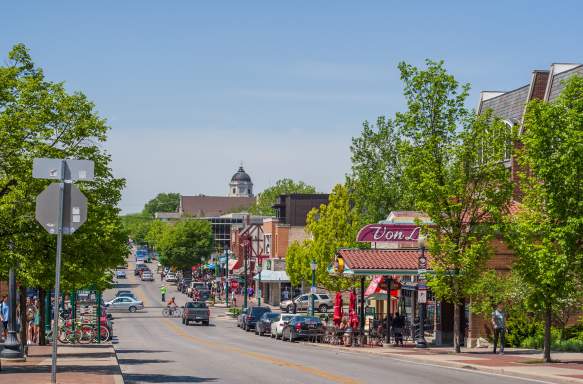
(499, 324)
(4, 315)
(163, 291)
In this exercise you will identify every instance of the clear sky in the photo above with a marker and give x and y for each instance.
(192, 88)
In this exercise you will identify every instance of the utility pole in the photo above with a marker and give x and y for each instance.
(226, 277)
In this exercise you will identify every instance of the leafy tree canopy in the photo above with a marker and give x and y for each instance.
(453, 164)
(163, 202)
(39, 118)
(186, 243)
(267, 198)
(332, 226)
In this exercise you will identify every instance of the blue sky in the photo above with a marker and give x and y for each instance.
(191, 88)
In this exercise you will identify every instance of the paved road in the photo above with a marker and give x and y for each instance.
(153, 349)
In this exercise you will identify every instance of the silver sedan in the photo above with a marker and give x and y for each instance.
(124, 304)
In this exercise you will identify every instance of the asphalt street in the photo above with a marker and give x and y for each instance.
(154, 349)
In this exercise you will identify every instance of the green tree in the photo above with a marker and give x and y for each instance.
(137, 226)
(546, 232)
(453, 163)
(163, 202)
(332, 226)
(376, 178)
(155, 233)
(187, 243)
(267, 198)
(38, 118)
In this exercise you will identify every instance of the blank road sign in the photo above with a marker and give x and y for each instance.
(73, 169)
(74, 209)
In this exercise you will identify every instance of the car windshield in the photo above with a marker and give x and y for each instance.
(287, 317)
(196, 304)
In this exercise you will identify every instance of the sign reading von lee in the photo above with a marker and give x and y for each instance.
(373, 233)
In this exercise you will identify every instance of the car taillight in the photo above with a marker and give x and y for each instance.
(298, 326)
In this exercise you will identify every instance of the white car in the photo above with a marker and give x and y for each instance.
(171, 278)
(278, 324)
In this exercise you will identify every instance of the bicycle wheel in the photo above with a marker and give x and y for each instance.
(177, 312)
(166, 312)
(87, 334)
(63, 336)
(104, 334)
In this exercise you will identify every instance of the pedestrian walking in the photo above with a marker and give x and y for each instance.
(4, 315)
(30, 314)
(163, 291)
(499, 324)
(233, 298)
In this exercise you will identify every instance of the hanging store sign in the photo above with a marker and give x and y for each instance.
(373, 233)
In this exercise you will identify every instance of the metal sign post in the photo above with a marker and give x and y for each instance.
(70, 214)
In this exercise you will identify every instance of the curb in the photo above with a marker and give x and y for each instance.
(117, 379)
(452, 364)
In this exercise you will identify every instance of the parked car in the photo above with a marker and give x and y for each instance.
(322, 302)
(120, 274)
(303, 327)
(241, 317)
(171, 277)
(279, 322)
(196, 311)
(253, 316)
(147, 276)
(264, 323)
(124, 303)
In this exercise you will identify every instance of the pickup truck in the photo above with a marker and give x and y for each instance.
(196, 311)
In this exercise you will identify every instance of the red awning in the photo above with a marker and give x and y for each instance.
(234, 264)
(374, 288)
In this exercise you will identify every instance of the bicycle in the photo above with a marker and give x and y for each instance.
(171, 312)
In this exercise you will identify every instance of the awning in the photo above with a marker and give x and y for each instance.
(375, 289)
(233, 264)
(386, 262)
(268, 276)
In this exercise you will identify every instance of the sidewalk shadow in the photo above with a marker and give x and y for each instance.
(95, 369)
(159, 378)
(139, 351)
(142, 361)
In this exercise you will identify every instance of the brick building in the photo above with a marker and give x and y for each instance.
(510, 107)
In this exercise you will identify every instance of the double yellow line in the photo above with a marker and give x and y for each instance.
(174, 327)
(261, 356)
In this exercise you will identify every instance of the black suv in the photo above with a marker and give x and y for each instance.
(253, 316)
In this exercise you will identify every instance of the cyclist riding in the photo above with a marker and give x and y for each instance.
(172, 305)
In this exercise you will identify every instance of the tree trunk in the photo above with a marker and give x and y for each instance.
(42, 309)
(547, 339)
(456, 328)
(23, 322)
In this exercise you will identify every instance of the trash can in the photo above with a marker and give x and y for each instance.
(348, 337)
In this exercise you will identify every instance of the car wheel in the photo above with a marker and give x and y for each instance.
(183, 321)
(132, 309)
(290, 308)
(205, 323)
(323, 308)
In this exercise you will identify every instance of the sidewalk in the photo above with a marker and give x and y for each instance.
(515, 362)
(77, 364)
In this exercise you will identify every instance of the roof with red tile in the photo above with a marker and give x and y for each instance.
(381, 259)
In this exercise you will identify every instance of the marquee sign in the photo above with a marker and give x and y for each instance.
(373, 233)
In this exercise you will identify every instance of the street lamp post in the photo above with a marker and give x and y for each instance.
(226, 278)
(259, 268)
(421, 292)
(245, 293)
(313, 266)
(11, 345)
